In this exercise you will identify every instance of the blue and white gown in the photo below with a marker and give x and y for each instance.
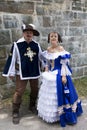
(58, 102)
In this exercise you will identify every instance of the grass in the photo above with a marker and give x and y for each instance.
(80, 85)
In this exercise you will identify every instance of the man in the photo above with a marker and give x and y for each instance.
(23, 63)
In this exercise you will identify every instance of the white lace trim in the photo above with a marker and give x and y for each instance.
(74, 106)
(52, 56)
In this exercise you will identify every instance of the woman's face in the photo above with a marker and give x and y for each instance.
(54, 38)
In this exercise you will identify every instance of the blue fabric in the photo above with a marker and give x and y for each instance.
(66, 94)
(79, 110)
(29, 68)
(67, 98)
(62, 120)
(70, 117)
(66, 56)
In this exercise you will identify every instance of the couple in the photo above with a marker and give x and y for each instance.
(57, 97)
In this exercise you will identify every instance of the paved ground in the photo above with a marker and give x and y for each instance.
(31, 122)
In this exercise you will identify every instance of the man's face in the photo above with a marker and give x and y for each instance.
(28, 35)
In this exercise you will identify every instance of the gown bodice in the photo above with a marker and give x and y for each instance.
(54, 64)
(54, 60)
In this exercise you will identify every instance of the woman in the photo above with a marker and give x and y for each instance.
(58, 99)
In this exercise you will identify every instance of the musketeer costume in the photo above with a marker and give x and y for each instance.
(23, 60)
(23, 63)
(58, 101)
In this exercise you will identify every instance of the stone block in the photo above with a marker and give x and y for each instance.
(16, 34)
(68, 15)
(85, 3)
(4, 37)
(40, 10)
(60, 30)
(80, 60)
(85, 30)
(82, 16)
(76, 5)
(45, 32)
(17, 7)
(75, 15)
(47, 21)
(26, 19)
(48, 1)
(10, 21)
(40, 21)
(2, 52)
(2, 64)
(61, 23)
(74, 31)
(59, 1)
(76, 23)
(85, 71)
(74, 47)
(0, 22)
(3, 80)
(84, 50)
(77, 72)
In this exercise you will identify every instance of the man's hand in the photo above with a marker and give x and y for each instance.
(12, 78)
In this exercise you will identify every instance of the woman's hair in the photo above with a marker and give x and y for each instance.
(59, 37)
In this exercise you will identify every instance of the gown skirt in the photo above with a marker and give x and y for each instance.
(47, 98)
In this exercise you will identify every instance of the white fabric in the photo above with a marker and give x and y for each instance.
(65, 71)
(52, 56)
(47, 99)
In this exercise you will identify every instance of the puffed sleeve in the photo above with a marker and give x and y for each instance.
(43, 59)
(9, 69)
(65, 68)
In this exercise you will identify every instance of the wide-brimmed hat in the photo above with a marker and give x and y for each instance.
(30, 27)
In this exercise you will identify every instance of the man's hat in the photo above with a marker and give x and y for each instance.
(30, 27)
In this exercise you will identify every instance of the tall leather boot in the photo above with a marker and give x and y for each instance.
(33, 95)
(32, 105)
(15, 113)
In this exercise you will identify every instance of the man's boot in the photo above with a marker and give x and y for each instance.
(15, 113)
(32, 105)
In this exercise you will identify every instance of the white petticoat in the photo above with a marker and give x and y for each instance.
(47, 99)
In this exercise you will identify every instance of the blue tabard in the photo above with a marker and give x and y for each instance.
(28, 55)
(29, 64)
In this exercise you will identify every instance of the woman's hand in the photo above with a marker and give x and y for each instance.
(46, 68)
(64, 80)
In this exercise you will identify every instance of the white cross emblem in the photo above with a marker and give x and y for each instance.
(30, 53)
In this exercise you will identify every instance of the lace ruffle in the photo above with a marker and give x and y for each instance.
(47, 101)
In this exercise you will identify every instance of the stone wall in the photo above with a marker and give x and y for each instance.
(68, 17)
